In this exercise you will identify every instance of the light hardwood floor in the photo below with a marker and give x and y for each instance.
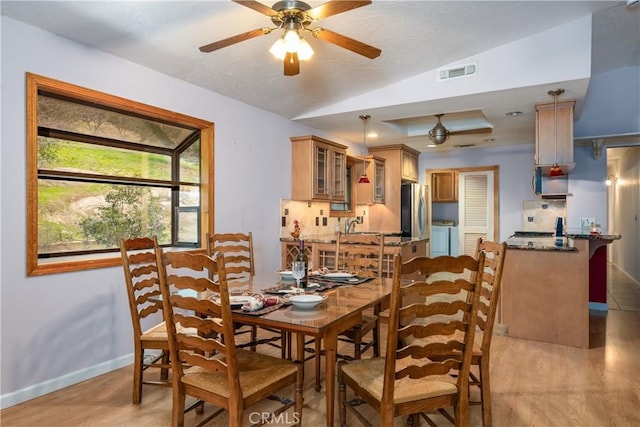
(533, 383)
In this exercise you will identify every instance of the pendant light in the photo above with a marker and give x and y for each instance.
(364, 179)
(555, 170)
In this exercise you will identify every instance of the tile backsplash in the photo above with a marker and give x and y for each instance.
(540, 215)
(314, 219)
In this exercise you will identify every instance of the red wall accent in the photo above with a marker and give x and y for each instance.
(598, 275)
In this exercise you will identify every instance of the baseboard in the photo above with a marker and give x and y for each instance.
(602, 306)
(37, 390)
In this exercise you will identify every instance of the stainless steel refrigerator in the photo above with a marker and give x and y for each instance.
(414, 212)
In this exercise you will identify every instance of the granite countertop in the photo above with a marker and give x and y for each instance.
(586, 234)
(390, 239)
(539, 244)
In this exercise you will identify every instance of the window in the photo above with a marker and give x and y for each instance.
(102, 167)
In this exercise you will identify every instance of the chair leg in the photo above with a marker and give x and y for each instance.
(177, 414)
(164, 372)
(283, 345)
(357, 344)
(376, 338)
(137, 375)
(254, 336)
(318, 352)
(342, 397)
(485, 392)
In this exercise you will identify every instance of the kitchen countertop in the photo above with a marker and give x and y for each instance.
(549, 243)
(390, 239)
(539, 244)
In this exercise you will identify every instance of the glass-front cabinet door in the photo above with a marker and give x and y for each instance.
(378, 189)
(338, 176)
(318, 169)
(321, 183)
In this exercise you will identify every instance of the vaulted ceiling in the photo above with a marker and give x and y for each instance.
(401, 89)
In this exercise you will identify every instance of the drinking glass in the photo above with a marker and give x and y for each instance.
(297, 271)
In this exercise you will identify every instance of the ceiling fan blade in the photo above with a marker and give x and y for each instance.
(333, 8)
(471, 131)
(347, 43)
(291, 64)
(234, 39)
(257, 6)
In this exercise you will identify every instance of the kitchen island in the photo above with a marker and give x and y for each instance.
(321, 250)
(545, 287)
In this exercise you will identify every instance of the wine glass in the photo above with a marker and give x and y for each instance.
(297, 271)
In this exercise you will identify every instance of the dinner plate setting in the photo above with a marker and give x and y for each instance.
(306, 301)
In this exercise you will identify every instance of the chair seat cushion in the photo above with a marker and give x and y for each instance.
(155, 333)
(256, 370)
(368, 374)
(159, 332)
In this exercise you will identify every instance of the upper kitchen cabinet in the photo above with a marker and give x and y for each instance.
(444, 185)
(372, 192)
(554, 136)
(409, 164)
(401, 165)
(318, 169)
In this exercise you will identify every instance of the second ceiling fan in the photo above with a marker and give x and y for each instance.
(294, 16)
(439, 134)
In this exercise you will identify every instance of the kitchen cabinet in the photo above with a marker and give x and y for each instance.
(324, 254)
(387, 217)
(318, 169)
(444, 186)
(554, 134)
(409, 165)
(373, 192)
(289, 252)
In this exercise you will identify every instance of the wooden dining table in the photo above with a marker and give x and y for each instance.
(341, 310)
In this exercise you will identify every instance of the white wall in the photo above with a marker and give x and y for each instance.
(63, 328)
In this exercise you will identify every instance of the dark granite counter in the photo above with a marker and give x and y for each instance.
(539, 244)
(390, 239)
(585, 234)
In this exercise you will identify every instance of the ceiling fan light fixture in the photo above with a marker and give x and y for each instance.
(304, 50)
(279, 49)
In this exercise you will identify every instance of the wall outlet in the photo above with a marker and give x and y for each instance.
(586, 222)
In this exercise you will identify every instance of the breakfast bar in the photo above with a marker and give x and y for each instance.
(546, 281)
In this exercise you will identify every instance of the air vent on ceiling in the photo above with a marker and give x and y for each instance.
(465, 145)
(458, 71)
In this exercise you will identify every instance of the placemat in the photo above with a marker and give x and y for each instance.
(336, 282)
(262, 311)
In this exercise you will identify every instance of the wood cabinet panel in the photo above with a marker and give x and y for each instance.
(318, 169)
(550, 150)
(373, 192)
(444, 186)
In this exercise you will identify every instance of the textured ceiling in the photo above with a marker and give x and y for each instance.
(415, 37)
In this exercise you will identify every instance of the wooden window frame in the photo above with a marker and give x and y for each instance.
(36, 83)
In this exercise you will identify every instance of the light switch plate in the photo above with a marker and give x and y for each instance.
(586, 222)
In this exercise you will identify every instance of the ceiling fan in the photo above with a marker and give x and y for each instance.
(293, 16)
(439, 134)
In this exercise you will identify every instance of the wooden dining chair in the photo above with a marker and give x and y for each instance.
(208, 366)
(239, 264)
(487, 308)
(143, 286)
(413, 379)
(361, 254)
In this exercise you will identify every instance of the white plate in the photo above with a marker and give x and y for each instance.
(285, 274)
(306, 302)
(339, 275)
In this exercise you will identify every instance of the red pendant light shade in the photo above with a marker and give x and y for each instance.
(555, 171)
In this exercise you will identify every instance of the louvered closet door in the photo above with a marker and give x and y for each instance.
(475, 209)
